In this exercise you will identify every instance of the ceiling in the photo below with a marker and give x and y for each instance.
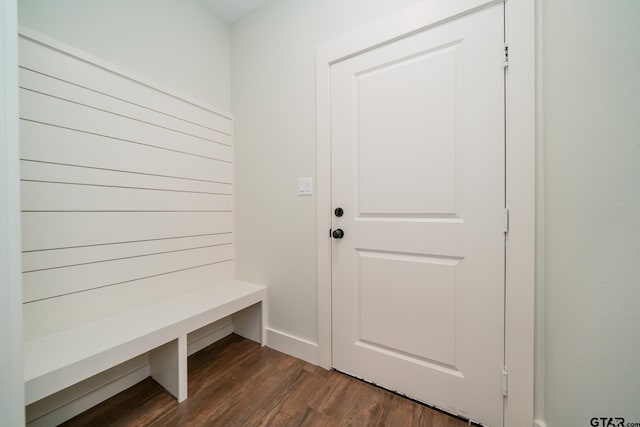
(232, 10)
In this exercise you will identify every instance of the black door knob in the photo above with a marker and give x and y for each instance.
(338, 233)
(339, 212)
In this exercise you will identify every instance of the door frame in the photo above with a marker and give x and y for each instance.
(520, 175)
(11, 372)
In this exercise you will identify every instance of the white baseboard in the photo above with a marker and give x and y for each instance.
(539, 423)
(68, 403)
(292, 345)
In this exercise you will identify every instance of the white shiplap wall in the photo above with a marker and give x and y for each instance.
(126, 189)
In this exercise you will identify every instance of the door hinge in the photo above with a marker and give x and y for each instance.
(505, 64)
(505, 382)
(506, 220)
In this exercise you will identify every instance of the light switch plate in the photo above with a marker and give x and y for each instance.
(305, 186)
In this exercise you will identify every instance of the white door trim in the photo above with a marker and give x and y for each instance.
(520, 175)
(11, 376)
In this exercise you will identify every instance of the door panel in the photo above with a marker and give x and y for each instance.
(431, 283)
(404, 134)
(417, 148)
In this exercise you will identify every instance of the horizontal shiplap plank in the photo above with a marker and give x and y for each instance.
(51, 172)
(51, 86)
(57, 145)
(38, 57)
(45, 196)
(47, 259)
(66, 280)
(50, 230)
(46, 109)
(48, 316)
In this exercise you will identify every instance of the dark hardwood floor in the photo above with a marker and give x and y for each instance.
(235, 382)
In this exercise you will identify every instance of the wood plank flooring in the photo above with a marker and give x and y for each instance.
(235, 382)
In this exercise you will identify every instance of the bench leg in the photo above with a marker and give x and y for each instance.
(249, 322)
(168, 365)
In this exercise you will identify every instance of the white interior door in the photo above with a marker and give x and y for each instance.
(418, 161)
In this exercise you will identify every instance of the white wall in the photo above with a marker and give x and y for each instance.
(592, 210)
(273, 101)
(177, 44)
(11, 381)
(126, 191)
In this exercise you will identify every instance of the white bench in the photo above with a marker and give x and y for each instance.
(57, 361)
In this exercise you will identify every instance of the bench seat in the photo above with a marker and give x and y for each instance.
(57, 361)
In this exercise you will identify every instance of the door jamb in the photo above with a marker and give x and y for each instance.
(11, 371)
(520, 175)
